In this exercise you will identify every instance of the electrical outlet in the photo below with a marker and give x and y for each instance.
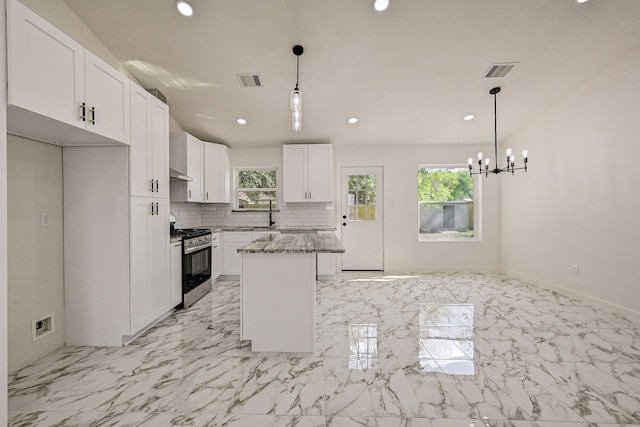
(575, 270)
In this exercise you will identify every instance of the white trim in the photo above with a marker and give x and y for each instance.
(600, 303)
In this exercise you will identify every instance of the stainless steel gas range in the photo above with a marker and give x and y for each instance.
(196, 263)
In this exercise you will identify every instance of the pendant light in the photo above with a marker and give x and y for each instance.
(296, 95)
(485, 162)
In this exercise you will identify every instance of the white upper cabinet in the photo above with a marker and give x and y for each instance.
(54, 77)
(106, 99)
(217, 173)
(149, 149)
(187, 157)
(307, 173)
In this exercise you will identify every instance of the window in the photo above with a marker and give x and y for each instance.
(362, 198)
(446, 203)
(256, 188)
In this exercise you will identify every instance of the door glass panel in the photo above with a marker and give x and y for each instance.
(362, 198)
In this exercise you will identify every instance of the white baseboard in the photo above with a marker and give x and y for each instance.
(598, 302)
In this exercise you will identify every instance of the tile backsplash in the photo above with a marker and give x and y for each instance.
(196, 214)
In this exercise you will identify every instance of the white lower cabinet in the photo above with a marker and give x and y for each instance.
(231, 241)
(215, 256)
(176, 274)
(150, 261)
(326, 263)
(231, 259)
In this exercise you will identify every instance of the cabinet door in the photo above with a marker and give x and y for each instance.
(141, 292)
(195, 153)
(140, 148)
(176, 274)
(225, 178)
(160, 144)
(231, 259)
(212, 174)
(294, 161)
(160, 258)
(215, 261)
(320, 172)
(107, 99)
(45, 67)
(326, 263)
(217, 174)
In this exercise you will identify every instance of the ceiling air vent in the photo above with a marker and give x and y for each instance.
(249, 80)
(500, 70)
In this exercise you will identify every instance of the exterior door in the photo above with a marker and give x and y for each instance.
(362, 213)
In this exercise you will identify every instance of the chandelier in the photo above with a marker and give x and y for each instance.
(296, 95)
(484, 163)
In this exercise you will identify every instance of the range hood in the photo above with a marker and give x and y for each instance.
(174, 175)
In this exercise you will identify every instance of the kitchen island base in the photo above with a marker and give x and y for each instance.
(278, 294)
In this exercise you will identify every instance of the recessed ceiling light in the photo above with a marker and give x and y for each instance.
(380, 5)
(352, 120)
(184, 7)
(241, 121)
(582, 1)
(469, 117)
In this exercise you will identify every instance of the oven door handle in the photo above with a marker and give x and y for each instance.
(193, 249)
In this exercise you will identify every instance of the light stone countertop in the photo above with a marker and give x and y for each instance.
(293, 228)
(294, 244)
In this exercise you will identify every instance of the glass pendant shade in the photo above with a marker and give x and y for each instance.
(296, 100)
(296, 120)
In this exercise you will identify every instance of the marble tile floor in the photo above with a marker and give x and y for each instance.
(435, 350)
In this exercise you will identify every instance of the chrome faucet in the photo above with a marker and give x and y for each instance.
(271, 221)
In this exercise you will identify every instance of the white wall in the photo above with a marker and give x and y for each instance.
(579, 204)
(3, 222)
(402, 250)
(36, 285)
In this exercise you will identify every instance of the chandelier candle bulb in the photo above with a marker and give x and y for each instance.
(480, 155)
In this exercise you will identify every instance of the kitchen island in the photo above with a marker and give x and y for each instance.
(278, 290)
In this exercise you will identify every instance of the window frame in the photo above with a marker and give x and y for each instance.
(236, 188)
(477, 205)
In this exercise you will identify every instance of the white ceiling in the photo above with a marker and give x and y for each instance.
(409, 74)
